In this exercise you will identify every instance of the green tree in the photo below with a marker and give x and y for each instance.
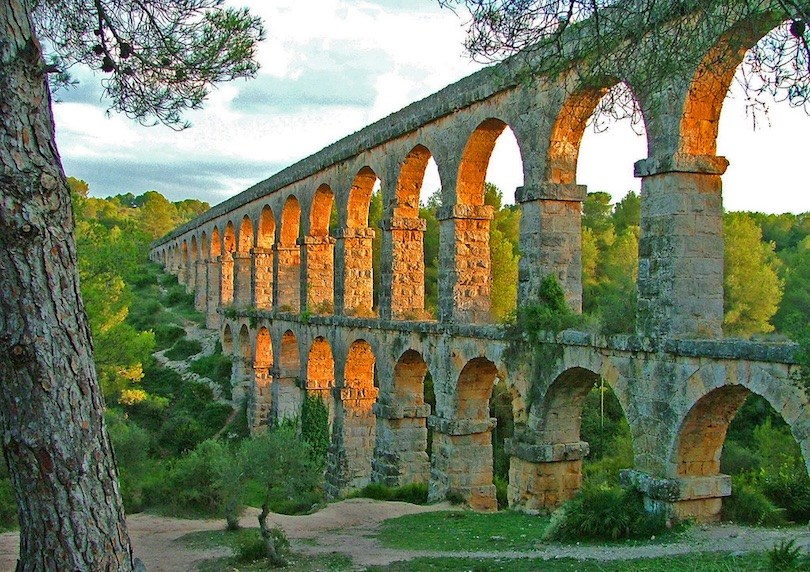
(627, 212)
(752, 285)
(159, 59)
(793, 316)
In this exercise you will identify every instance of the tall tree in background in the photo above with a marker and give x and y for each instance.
(159, 59)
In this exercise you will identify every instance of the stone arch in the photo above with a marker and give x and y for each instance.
(290, 221)
(194, 251)
(321, 211)
(710, 83)
(245, 235)
(286, 393)
(321, 374)
(245, 346)
(360, 198)
(259, 405)
(560, 409)
(205, 246)
(266, 234)
(229, 239)
(288, 255)
(474, 389)
(264, 348)
(227, 340)
(472, 170)
(409, 182)
(319, 251)
(216, 243)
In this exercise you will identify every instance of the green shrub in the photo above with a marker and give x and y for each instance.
(177, 296)
(748, 505)
(181, 432)
(787, 556)
(130, 442)
(605, 513)
(789, 488)
(254, 548)
(183, 349)
(414, 493)
(216, 367)
(168, 280)
(167, 334)
(315, 427)
(738, 459)
(8, 504)
(501, 492)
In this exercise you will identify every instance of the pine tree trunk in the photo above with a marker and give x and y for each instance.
(59, 455)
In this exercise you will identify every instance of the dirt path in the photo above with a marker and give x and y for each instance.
(348, 527)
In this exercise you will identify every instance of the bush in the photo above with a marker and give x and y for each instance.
(167, 334)
(605, 513)
(254, 549)
(737, 459)
(747, 505)
(787, 556)
(501, 492)
(177, 296)
(315, 427)
(217, 368)
(183, 349)
(414, 493)
(789, 488)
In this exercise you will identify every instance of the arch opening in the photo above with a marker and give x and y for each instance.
(320, 253)
(289, 257)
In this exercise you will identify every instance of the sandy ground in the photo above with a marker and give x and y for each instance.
(348, 527)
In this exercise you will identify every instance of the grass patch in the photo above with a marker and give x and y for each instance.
(464, 530)
(233, 540)
(184, 349)
(756, 562)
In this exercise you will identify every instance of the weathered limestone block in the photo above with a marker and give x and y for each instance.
(348, 463)
(542, 476)
(288, 287)
(226, 280)
(260, 400)
(201, 287)
(680, 274)
(318, 261)
(354, 295)
(551, 240)
(286, 397)
(212, 318)
(462, 461)
(191, 276)
(403, 292)
(242, 264)
(697, 498)
(464, 263)
(262, 278)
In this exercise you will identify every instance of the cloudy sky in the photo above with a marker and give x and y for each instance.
(330, 67)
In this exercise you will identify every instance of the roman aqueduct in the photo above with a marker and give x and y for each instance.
(294, 303)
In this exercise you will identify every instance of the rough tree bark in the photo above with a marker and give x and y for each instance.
(58, 452)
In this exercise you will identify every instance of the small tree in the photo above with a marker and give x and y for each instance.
(284, 466)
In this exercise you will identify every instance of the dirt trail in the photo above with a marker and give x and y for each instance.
(348, 527)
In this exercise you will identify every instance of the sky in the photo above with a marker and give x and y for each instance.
(331, 67)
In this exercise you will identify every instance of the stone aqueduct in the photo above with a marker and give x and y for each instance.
(293, 303)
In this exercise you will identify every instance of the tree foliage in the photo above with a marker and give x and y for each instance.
(159, 58)
(651, 41)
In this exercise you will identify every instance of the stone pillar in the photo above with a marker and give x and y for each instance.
(201, 287)
(212, 320)
(260, 398)
(403, 269)
(288, 282)
(242, 379)
(696, 498)
(354, 294)
(462, 461)
(542, 476)
(348, 462)
(286, 397)
(181, 272)
(551, 240)
(226, 280)
(400, 451)
(464, 263)
(317, 260)
(242, 281)
(262, 278)
(680, 267)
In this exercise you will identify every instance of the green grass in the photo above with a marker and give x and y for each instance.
(218, 538)
(217, 368)
(464, 530)
(183, 349)
(689, 563)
